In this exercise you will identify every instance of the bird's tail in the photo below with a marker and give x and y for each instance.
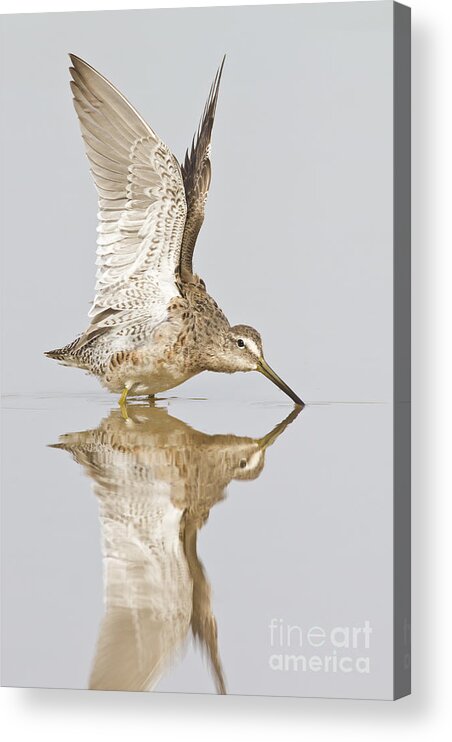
(67, 355)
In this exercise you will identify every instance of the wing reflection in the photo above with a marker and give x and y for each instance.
(156, 479)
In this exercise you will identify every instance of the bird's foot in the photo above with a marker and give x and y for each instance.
(123, 403)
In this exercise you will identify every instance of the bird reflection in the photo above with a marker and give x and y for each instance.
(156, 479)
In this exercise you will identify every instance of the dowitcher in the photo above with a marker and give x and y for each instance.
(156, 481)
(153, 324)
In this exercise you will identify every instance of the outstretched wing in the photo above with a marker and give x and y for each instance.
(142, 206)
(196, 172)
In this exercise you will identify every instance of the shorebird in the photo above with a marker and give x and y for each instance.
(153, 324)
(156, 480)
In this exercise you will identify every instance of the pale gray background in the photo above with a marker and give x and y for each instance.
(302, 163)
(298, 233)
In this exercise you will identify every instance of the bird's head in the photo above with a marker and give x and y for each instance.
(250, 463)
(243, 352)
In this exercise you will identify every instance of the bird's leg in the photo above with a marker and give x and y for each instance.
(123, 403)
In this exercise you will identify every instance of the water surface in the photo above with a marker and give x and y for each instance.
(172, 551)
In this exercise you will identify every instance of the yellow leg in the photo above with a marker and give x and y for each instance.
(123, 403)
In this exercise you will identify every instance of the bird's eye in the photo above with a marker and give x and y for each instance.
(242, 463)
(240, 343)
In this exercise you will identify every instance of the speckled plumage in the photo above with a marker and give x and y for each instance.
(152, 323)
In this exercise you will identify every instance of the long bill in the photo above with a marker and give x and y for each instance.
(267, 371)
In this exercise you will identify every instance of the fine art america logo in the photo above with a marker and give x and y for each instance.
(341, 649)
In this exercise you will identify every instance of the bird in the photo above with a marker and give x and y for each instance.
(152, 324)
(156, 479)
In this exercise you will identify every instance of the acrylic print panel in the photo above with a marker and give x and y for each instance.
(219, 536)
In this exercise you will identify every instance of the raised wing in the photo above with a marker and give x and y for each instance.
(196, 172)
(142, 206)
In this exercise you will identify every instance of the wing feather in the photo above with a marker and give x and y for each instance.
(196, 173)
(142, 204)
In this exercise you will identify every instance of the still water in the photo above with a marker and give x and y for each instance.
(174, 550)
